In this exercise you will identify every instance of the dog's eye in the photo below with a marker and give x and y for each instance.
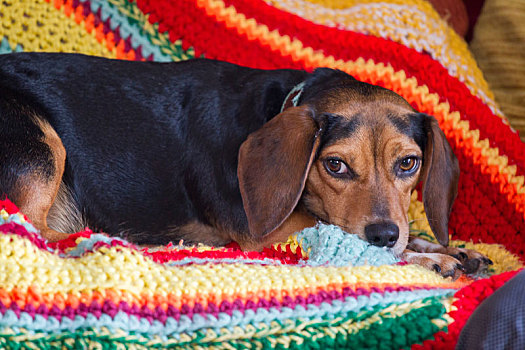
(335, 166)
(409, 164)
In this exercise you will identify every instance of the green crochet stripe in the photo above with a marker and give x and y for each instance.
(384, 332)
(140, 26)
(387, 333)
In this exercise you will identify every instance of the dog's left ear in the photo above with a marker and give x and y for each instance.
(274, 163)
(440, 175)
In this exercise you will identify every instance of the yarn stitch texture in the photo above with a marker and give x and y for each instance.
(318, 289)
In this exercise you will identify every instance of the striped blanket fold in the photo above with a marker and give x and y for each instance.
(95, 291)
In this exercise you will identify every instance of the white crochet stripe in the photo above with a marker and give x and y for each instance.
(360, 18)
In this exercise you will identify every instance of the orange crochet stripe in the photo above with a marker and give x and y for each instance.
(107, 39)
(488, 158)
(31, 296)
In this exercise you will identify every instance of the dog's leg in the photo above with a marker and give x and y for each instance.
(36, 192)
(448, 261)
(296, 222)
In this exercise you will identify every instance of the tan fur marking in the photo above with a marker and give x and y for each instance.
(37, 193)
(202, 233)
(296, 222)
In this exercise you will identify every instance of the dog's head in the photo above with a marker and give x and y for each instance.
(350, 155)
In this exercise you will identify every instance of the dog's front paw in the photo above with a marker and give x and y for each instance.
(445, 265)
(471, 260)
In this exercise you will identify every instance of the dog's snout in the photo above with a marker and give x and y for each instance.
(383, 234)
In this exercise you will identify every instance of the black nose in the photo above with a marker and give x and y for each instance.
(383, 234)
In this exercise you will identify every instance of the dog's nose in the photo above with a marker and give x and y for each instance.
(383, 234)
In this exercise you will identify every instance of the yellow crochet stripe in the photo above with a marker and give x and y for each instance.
(503, 260)
(24, 265)
(38, 26)
(364, 70)
(414, 24)
(342, 4)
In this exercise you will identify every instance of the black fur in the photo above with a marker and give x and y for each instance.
(150, 146)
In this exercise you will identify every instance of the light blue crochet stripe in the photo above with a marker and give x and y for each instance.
(127, 30)
(202, 261)
(87, 244)
(172, 327)
(329, 245)
(5, 47)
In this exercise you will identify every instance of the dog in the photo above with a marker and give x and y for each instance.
(211, 152)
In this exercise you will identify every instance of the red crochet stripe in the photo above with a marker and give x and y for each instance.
(232, 251)
(70, 241)
(349, 45)
(12, 228)
(468, 299)
(481, 213)
(9, 206)
(183, 20)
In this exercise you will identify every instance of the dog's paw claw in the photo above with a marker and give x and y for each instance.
(460, 267)
(487, 261)
(472, 261)
(449, 273)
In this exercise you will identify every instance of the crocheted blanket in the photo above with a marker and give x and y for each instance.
(322, 288)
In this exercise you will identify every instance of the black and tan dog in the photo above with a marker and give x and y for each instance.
(201, 151)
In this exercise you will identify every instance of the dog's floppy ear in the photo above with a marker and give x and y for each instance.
(274, 163)
(440, 175)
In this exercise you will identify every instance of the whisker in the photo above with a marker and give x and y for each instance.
(414, 220)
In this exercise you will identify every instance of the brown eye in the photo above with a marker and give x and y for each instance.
(335, 166)
(409, 164)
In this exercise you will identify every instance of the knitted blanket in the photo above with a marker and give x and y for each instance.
(322, 288)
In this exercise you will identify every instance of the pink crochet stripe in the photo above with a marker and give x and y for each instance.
(17, 231)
